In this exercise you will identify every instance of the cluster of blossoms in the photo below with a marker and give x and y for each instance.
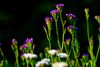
(52, 52)
(43, 62)
(27, 46)
(53, 57)
(60, 64)
(56, 52)
(59, 6)
(62, 55)
(29, 55)
(55, 14)
(70, 16)
(70, 28)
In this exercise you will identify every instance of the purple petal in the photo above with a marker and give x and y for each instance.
(59, 5)
(55, 11)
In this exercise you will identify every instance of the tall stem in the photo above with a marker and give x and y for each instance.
(48, 35)
(27, 62)
(2, 53)
(88, 30)
(99, 46)
(49, 39)
(17, 62)
(62, 29)
(57, 34)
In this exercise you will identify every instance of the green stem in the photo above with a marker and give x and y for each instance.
(48, 35)
(62, 29)
(49, 43)
(17, 64)
(31, 63)
(88, 30)
(57, 34)
(49, 39)
(98, 47)
(77, 63)
(61, 17)
(16, 55)
(27, 62)
(52, 59)
(2, 53)
(72, 46)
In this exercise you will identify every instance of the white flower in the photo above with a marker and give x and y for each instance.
(38, 64)
(62, 55)
(52, 52)
(42, 62)
(46, 61)
(60, 64)
(29, 55)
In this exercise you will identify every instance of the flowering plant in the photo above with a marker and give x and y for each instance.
(67, 51)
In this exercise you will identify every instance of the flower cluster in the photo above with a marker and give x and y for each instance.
(68, 50)
(44, 62)
(29, 55)
(59, 6)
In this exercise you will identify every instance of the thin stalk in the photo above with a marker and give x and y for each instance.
(57, 34)
(16, 55)
(98, 47)
(62, 29)
(77, 63)
(49, 43)
(5, 60)
(48, 35)
(27, 62)
(2, 53)
(17, 62)
(49, 39)
(32, 63)
(88, 30)
(52, 59)
(72, 46)
(66, 48)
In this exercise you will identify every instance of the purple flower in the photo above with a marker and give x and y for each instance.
(48, 20)
(53, 12)
(70, 27)
(29, 40)
(71, 16)
(59, 6)
(24, 46)
(14, 41)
